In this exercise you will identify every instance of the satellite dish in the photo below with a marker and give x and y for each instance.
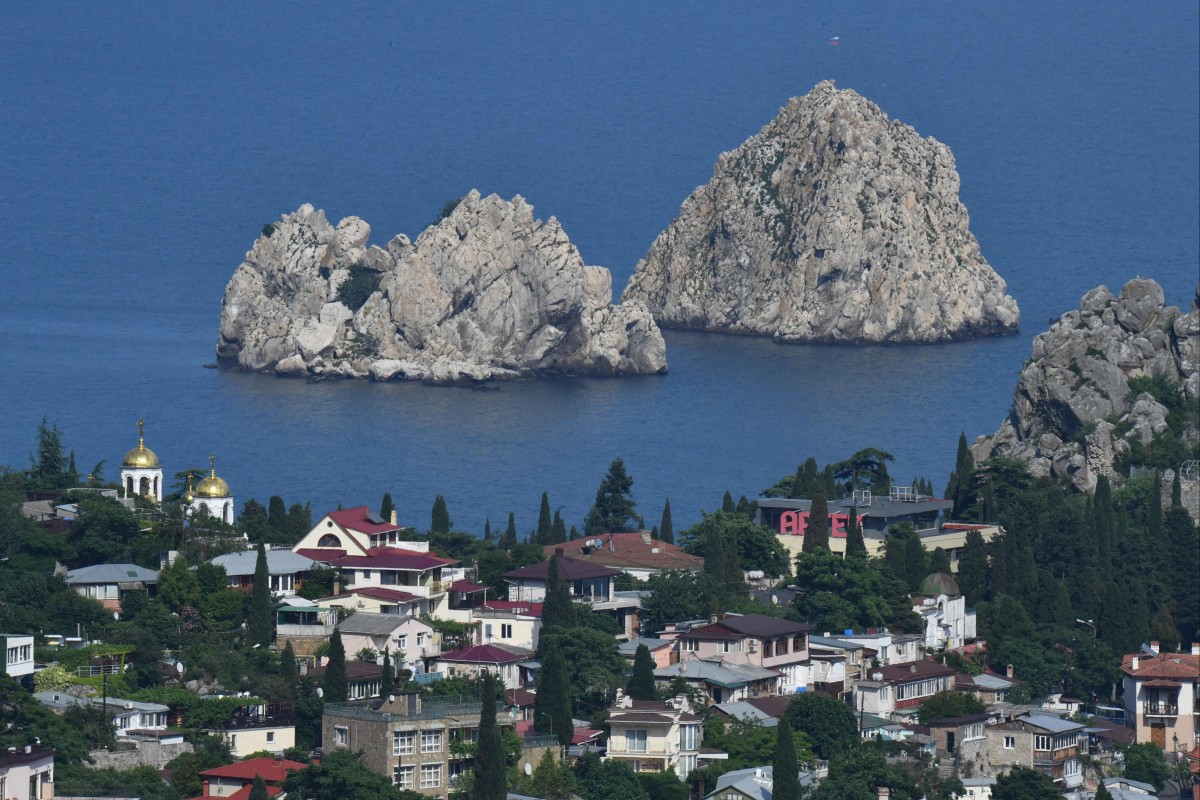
(528, 768)
(179, 667)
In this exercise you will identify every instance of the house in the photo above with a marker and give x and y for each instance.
(520, 703)
(413, 642)
(987, 687)
(27, 773)
(270, 727)
(961, 741)
(654, 735)
(127, 716)
(766, 710)
(721, 681)
(364, 679)
(353, 531)
(1127, 789)
(1161, 702)
(502, 661)
(305, 627)
(407, 573)
(636, 554)
(901, 688)
(108, 583)
(753, 783)
(947, 621)
(662, 651)
(17, 651)
(287, 569)
(411, 742)
(375, 600)
(1036, 741)
(587, 583)
(755, 639)
(235, 780)
(509, 623)
(886, 648)
(837, 659)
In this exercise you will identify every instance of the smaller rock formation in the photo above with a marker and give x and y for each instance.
(487, 292)
(1073, 412)
(832, 224)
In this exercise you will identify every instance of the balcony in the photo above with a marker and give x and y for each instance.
(1161, 709)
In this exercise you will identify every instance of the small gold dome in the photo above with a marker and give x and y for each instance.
(212, 486)
(141, 457)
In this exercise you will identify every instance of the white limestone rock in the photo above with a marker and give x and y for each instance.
(489, 292)
(832, 224)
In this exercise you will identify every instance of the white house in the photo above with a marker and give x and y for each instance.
(287, 569)
(27, 773)
(411, 641)
(17, 650)
(353, 531)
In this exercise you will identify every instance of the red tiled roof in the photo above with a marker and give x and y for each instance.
(394, 558)
(379, 593)
(917, 670)
(628, 550)
(321, 553)
(1164, 665)
(273, 770)
(581, 735)
(355, 519)
(483, 654)
(244, 792)
(519, 697)
(570, 569)
(466, 586)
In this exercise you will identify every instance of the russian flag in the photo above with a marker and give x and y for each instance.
(835, 41)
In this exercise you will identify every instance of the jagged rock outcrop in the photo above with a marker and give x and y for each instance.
(1073, 412)
(832, 224)
(488, 292)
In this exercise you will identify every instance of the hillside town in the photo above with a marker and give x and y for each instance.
(838, 635)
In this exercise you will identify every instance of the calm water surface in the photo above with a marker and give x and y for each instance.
(145, 145)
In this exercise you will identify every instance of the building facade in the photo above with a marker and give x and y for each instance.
(654, 735)
(1161, 698)
(754, 639)
(1040, 742)
(17, 653)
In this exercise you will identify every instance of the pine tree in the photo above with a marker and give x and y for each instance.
(727, 503)
(440, 521)
(574, 534)
(258, 624)
(666, 531)
(1176, 491)
(856, 546)
(277, 514)
(746, 508)
(508, 539)
(641, 682)
(972, 568)
(558, 612)
(558, 529)
(334, 683)
(388, 682)
(614, 508)
(714, 568)
(785, 769)
(258, 789)
(386, 507)
(487, 530)
(545, 525)
(552, 704)
(816, 533)
(491, 779)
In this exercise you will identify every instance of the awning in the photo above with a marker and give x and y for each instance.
(467, 586)
(1163, 683)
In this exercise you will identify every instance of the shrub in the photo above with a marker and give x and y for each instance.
(356, 289)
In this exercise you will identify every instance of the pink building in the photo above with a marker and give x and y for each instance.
(754, 639)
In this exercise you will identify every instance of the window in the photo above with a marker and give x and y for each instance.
(1041, 742)
(431, 776)
(366, 574)
(1071, 767)
(635, 741)
(726, 647)
(387, 578)
(973, 731)
(402, 777)
(689, 737)
(506, 631)
(341, 736)
(689, 645)
(270, 736)
(768, 649)
(1010, 742)
(431, 741)
(329, 540)
(686, 765)
(421, 639)
(402, 641)
(402, 743)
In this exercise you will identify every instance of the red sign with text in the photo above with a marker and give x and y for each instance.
(794, 523)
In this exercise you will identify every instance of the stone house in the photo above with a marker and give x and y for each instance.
(962, 741)
(654, 735)
(1036, 741)
(1161, 699)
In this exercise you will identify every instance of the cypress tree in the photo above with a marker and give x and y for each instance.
(714, 567)
(666, 531)
(491, 780)
(487, 530)
(558, 529)
(972, 568)
(258, 625)
(545, 525)
(735, 576)
(828, 482)
(508, 539)
(258, 789)
(440, 521)
(727, 504)
(277, 514)
(288, 668)
(785, 769)
(614, 509)
(552, 704)
(1103, 523)
(1154, 525)
(558, 612)
(574, 534)
(388, 682)
(816, 533)
(856, 546)
(334, 683)
(386, 507)
(745, 507)
(916, 562)
(939, 561)
(797, 484)
(641, 682)
(1176, 492)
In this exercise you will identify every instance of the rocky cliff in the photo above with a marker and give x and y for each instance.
(1073, 411)
(833, 224)
(487, 292)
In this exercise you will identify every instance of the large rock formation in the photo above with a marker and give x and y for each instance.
(833, 224)
(487, 292)
(1073, 411)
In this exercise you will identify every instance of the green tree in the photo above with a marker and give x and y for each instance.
(939, 561)
(558, 612)
(856, 546)
(386, 506)
(614, 508)
(785, 769)
(675, 595)
(552, 703)
(666, 530)
(756, 547)
(387, 684)
(816, 533)
(487, 530)
(961, 480)
(972, 568)
(48, 469)
(491, 781)
(607, 780)
(334, 683)
(727, 503)
(1146, 763)
(440, 522)
(289, 670)
(340, 775)
(277, 514)
(508, 540)
(807, 481)
(178, 586)
(545, 526)
(1021, 783)
(944, 705)
(641, 680)
(558, 529)
(552, 780)
(258, 624)
(258, 789)
(837, 593)
(830, 725)
(867, 467)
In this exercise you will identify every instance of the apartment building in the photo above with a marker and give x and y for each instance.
(16, 650)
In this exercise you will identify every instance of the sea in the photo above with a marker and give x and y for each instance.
(145, 144)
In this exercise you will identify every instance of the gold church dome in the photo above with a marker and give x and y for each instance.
(141, 457)
(212, 486)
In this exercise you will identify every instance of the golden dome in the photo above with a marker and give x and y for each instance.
(141, 457)
(212, 486)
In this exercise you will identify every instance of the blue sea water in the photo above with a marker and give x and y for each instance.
(144, 145)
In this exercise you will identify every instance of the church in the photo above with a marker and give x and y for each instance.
(142, 476)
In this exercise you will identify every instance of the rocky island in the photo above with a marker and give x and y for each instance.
(832, 224)
(488, 292)
(1075, 411)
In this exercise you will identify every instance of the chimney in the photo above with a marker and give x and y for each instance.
(1155, 646)
(1008, 671)
(337, 587)
(1133, 665)
(913, 669)
(883, 793)
(646, 537)
(1196, 648)
(558, 551)
(204, 791)
(712, 619)
(28, 749)
(393, 517)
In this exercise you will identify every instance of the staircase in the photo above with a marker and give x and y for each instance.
(947, 767)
